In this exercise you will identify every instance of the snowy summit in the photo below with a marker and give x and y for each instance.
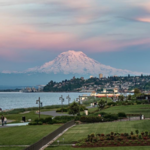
(76, 62)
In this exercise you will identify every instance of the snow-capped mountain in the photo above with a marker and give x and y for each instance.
(76, 62)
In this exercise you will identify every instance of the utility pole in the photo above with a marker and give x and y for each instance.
(69, 99)
(38, 101)
(62, 100)
(79, 104)
(77, 100)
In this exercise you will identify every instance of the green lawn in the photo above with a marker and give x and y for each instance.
(18, 117)
(130, 109)
(81, 131)
(102, 148)
(12, 148)
(25, 135)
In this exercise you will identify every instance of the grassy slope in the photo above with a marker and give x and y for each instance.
(24, 135)
(18, 117)
(12, 148)
(133, 109)
(81, 131)
(102, 148)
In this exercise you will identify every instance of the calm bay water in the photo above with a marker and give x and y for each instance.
(10, 100)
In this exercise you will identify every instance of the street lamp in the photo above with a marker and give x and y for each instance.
(69, 99)
(38, 102)
(78, 100)
(62, 100)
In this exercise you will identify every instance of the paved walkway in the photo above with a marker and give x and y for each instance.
(54, 113)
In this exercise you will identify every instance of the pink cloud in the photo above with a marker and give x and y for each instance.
(143, 20)
(17, 40)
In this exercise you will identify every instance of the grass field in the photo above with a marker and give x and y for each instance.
(103, 148)
(130, 109)
(81, 131)
(12, 148)
(18, 117)
(24, 135)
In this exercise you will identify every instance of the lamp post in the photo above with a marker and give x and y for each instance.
(38, 101)
(106, 98)
(78, 100)
(69, 99)
(62, 100)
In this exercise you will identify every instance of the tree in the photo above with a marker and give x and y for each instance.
(136, 91)
(73, 108)
(101, 104)
(121, 98)
(129, 97)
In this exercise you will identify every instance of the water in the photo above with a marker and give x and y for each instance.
(11, 100)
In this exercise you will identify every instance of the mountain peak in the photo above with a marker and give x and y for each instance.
(76, 62)
(72, 52)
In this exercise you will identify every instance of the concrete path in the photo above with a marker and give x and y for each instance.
(54, 113)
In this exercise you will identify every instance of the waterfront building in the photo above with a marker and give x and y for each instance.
(100, 76)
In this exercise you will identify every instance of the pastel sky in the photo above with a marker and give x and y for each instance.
(114, 32)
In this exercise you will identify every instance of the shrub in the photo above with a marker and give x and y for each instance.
(108, 138)
(120, 138)
(36, 120)
(122, 143)
(103, 113)
(131, 132)
(133, 137)
(94, 140)
(112, 137)
(122, 114)
(111, 103)
(41, 120)
(138, 102)
(146, 133)
(64, 119)
(142, 133)
(145, 138)
(140, 137)
(48, 120)
(33, 123)
(62, 110)
(137, 132)
(126, 134)
(111, 117)
(90, 119)
(101, 139)
(40, 123)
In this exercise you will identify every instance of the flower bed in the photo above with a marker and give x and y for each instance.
(115, 139)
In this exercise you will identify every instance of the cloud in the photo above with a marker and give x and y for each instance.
(147, 20)
(63, 24)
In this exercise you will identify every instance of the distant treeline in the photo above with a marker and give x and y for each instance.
(10, 90)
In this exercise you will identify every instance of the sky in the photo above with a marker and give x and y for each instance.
(115, 33)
